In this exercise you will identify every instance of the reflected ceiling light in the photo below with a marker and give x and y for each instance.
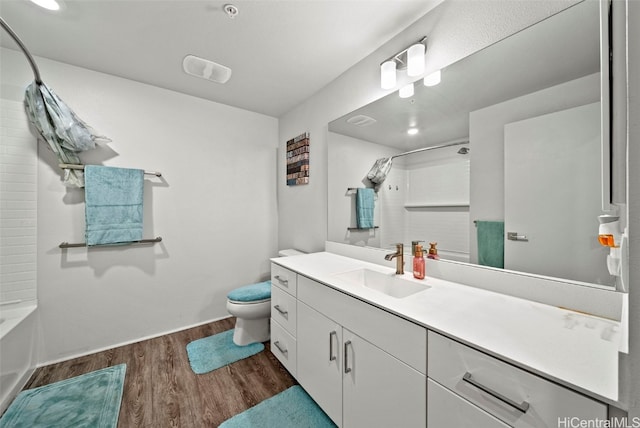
(47, 4)
(432, 79)
(388, 74)
(412, 131)
(406, 91)
(410, 59)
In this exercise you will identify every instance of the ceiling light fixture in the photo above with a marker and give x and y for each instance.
(432, 79)
(412, 131)
(410, 59)
(406, 91)
(206, 69)
(47, 4)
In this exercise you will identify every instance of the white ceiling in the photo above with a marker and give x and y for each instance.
(281, 51)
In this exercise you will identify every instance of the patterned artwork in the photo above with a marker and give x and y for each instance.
(298, 160)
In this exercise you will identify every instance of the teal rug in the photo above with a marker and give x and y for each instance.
(90, 400)
(213, 352)
(292, 408)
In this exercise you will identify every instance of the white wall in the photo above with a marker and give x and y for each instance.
(630, 375)
(215, 208)
(455, 29)
(18, 203)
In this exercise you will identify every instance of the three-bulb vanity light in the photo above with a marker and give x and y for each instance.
(410, 59)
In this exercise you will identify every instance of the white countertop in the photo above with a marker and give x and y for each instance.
(577, 350)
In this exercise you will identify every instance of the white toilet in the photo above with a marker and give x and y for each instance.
(251, 305)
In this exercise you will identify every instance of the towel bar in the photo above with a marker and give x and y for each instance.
(84, 244)
(362, 228)
(72, 166)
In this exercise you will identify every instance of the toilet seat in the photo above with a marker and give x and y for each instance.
(253, 302)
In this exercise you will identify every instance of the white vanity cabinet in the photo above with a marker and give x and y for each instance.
(363, 366)
(464, 382)
(283, 316)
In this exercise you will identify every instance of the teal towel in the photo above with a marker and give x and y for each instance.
(491, 243)
(365, 202)
(113, 209)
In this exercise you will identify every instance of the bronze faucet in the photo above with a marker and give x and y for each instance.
(399, 256)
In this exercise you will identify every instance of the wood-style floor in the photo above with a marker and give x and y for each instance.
(161, 390)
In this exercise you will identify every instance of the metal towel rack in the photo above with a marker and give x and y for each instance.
(84, 244)
(72, 166)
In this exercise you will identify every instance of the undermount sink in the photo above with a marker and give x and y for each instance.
(386, 283)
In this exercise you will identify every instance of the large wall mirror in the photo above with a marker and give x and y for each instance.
(528, 112)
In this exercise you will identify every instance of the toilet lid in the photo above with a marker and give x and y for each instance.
(251, 293)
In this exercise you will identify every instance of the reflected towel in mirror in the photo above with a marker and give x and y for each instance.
(491, 243)
(365, 203)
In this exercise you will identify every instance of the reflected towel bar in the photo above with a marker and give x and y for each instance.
(71, 166)
(84, 244)
(363, 228)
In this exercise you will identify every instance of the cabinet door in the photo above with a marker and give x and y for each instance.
(447, 409)
(379, 390)
(319, 360)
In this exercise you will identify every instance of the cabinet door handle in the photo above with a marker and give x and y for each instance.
(283, 281)
(347, 369)
(280, 348)
(331, 335)
(523, 407)
(282, 312)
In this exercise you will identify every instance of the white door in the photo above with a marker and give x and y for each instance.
(380, 390)
(319, 342)
(553, 195)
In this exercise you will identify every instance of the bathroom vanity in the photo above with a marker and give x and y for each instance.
(377, 349)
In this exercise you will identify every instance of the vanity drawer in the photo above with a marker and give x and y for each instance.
(283, 346)
(284, 278)
(283, 309)
(516, 397)
(401, 338)
(446, 409)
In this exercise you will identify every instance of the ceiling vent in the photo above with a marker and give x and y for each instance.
(361, 120)
(206, 69)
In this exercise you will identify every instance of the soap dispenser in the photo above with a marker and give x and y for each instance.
(433, 251)
(418, 263)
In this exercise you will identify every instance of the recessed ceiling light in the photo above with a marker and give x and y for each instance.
(47, 4)
(412, 131)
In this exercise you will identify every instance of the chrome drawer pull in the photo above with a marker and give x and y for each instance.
(282, 281)
(283, 313)
(283, 350)
(331, 356)
(347, 369)
(523, 407)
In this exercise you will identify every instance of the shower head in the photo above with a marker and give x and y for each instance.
(463, 151)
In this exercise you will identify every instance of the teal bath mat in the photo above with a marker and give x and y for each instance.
(213, 352)
(91, 400)
(292, 408)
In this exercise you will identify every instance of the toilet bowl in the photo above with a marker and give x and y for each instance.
(251, 305)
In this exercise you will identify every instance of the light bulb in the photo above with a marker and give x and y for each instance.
(432, 79)
(415, 59)
(388, 74)
(406, 91)
(47, 4)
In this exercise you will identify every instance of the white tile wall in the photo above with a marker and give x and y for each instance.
(18, 203)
